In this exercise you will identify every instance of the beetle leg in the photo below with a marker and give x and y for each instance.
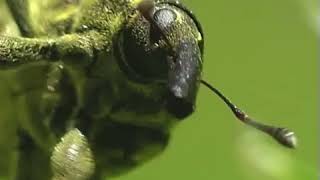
(8, 126)
(31, 158)
(77, 49)
(60, 99)
(36, 18)
(72, 158)
(47, 103)
(20, 12)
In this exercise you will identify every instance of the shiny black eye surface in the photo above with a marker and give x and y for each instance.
(142, 53)
(142, 49)
(164, 18)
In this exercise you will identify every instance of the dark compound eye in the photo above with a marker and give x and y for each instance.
(148, 44)
(141, 55)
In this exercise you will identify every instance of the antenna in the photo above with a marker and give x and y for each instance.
(284, 136)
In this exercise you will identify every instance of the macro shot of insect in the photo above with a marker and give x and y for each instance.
(100, 85)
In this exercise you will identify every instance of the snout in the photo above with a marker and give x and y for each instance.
(183, 79)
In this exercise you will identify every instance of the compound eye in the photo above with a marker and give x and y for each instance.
(164, 18)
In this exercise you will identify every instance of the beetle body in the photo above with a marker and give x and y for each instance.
(99, 75)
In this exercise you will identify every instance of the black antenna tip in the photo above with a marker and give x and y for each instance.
(286, 137)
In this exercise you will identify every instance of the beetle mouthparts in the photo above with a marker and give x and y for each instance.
(179, 107)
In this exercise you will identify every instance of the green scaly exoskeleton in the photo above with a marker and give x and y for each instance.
(74, 61)
(16, 51)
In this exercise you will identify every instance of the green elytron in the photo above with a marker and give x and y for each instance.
(100, 84)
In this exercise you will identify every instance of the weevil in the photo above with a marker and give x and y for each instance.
(101, 83)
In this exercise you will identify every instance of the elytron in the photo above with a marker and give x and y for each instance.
(99, 84)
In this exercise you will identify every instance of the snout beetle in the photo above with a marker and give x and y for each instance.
(101, 83)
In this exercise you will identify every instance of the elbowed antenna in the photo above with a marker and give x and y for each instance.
(284, 136)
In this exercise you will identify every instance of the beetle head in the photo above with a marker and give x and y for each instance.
(163, 42)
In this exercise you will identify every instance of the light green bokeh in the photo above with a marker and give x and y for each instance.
(263, 55)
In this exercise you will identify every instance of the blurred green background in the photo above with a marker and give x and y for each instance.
(263, 55)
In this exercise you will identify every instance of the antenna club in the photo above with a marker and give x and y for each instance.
(285, 137)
